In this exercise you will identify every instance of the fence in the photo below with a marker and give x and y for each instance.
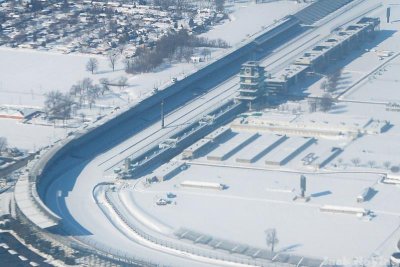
(181, 247)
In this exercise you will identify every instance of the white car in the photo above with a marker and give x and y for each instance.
(162, 202)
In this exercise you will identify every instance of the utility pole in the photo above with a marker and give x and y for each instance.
(162, 114)
(303, 185)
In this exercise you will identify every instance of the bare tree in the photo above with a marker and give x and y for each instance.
(355, 161)
(81, 89)
(121, 49)
(324, 86)
(128, 65)
(58, 105)
(187, 54)
(206, 53)
(312, 105)
(387, 164)
(326, 102)
(66, 106)
(112, 59)
(104, 82)
(92, 65)
(177, 45)
(52, 102)
(3, 144)
(82, 115)
(333, 80)
(271, 238)
(76, 90)
(86, 84)
(371, 163)
(93, 94)
(122, 82)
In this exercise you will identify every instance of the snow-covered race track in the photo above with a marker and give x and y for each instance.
(87, 216)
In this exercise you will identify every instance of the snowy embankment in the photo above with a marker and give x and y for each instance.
(129, 203)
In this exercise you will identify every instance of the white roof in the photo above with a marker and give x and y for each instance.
(342, 209)
(201, 184)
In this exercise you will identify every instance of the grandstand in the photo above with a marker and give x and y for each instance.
(319, 10)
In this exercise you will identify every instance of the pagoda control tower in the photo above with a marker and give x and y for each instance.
(252, 82)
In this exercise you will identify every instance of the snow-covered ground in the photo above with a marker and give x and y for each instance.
(30, 137)
(247, 19)
(27, 75)
(366, 60)
(256, 199)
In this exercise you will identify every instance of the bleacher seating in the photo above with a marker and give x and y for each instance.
(319, 10)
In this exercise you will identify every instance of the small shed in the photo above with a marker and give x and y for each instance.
(196, 59)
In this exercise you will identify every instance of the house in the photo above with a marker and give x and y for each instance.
(18, 113)
(196, 59)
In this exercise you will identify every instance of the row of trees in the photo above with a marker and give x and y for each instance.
(85, 91)
(166, 4)
(372, 164)
(174, 46)
(58, 105)
(93, 64)
(182, 5)
(324, 103)
(332, 83)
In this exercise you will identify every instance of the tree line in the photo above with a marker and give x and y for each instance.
(60, 105)
(177, 45)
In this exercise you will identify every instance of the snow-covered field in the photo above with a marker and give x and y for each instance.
(247, 19)
(380, 87)
(27, 75)
(257, 200)
(30, 137)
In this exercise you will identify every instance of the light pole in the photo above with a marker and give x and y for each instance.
(162, 114)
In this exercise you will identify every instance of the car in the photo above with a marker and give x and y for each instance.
(162, 202)
(171, 195)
